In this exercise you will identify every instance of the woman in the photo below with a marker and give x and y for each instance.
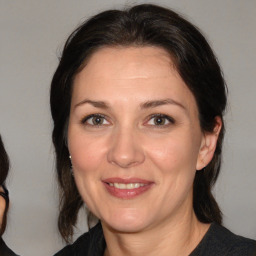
(4, 199)
(137, 103)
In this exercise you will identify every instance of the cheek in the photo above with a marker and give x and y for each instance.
(174, 164)
(87, 153)
(172, 152)
(87, 159)
(175, 158)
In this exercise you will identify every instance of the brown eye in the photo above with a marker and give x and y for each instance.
(95, 120)
(160, 120)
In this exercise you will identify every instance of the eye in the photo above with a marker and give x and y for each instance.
(95, 120)
(160, 120)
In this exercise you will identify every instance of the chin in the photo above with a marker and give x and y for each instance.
(126, 222)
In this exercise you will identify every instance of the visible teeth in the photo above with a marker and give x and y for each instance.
(126, 186)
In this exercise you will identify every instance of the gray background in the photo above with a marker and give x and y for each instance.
(32, 34)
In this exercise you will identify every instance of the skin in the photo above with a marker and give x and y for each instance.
(2, 206)
(129, 144)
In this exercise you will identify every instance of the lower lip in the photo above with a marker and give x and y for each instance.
(127, 193)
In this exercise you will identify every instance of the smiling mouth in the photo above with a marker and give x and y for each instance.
(126, 186)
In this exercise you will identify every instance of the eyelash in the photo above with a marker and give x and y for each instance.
(85, 119)
(162, 116)
(168, 118)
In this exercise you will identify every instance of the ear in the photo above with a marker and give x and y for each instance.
(208, 145)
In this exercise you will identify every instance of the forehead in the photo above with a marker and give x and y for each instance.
(144, 73)
(131, 60)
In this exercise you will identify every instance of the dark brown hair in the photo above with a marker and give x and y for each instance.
(141, 25)
(4, 168)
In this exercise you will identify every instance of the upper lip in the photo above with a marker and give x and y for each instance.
(126, 180)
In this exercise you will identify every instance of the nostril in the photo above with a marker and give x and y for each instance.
(125, 164)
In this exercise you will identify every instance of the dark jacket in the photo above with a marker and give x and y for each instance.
(218, 241)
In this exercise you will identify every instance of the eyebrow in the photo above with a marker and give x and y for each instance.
(96, 104)
(156, 103)
(145, 105)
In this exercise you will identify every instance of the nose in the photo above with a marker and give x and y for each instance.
(125, 149)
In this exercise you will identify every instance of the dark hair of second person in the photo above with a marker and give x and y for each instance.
(194, 60)
(4, 168)
(4, 194)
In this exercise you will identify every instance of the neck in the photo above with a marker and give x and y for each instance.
(175, 238)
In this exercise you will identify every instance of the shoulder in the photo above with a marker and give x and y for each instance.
(220, 241)
(234, 244)
(90, 242)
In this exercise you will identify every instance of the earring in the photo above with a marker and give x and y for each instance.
(71, 167)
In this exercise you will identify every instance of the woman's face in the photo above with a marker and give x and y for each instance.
(135, 139)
